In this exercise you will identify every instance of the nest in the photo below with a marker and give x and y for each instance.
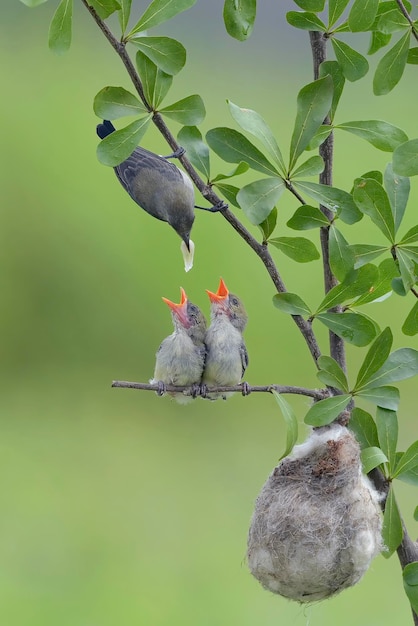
(317, 521)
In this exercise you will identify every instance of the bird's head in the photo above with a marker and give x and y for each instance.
(226, 303)
(187, 316)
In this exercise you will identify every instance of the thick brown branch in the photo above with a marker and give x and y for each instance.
(244, 388)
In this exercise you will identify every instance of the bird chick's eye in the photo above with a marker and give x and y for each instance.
(234, 301)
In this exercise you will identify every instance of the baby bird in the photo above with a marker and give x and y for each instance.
(226, 358)
(181, 356)
(160, 188)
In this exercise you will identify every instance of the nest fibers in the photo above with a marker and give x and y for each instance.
(317, 522)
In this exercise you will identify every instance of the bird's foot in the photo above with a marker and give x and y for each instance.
(203, 390)
(176, 154)
(246, 389)
(161, 388)
(195, 390)
(215, 208)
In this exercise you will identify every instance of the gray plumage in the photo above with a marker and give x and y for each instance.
(180, 358)
(227, 357)
(160, 188)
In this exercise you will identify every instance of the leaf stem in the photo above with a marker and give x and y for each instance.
(406, 15)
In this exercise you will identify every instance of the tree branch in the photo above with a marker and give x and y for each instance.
(244, 388)
(406, 15)
(206, 190)
(326, 151)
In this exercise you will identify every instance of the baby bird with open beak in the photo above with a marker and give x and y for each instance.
(226, 358)
(180, 358)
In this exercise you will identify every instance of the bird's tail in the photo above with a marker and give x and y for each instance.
(103, 130)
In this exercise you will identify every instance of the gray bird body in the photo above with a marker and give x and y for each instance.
(160, 188)
(180, 358)
(227, 357)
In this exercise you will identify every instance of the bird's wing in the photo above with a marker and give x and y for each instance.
(244, 357)
(141, 159)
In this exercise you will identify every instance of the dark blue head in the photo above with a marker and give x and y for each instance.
(105, 129)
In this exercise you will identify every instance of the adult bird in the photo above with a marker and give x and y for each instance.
(181, 356)
(160, 188)
(227, 357)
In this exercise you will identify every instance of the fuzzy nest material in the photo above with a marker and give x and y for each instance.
(317, 521)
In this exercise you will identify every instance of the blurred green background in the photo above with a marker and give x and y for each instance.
(117, 507)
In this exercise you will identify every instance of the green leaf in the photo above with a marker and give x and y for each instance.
(196, 150)
(353, 64)
(253, 123)
(412, 56)
(124, 13)
(385, 397)
(375, 174)
(233, 147)
(239, 169)
(326, 411)
(363, 426)
(406, 268)
(382, 287)
(160, 11)
(269, 224)
(364, 253)
(356, 283)
(341, 256)
(32, 3)
(59, 38)
(239, 18)
(410, 325)
(334, 199)
(373, 201)
(392, 532)
(405, 158)
(168, 54)
(408, 461)
(155, 82)
(104, 8)
(120, 144)
(189, 111)
(378, 40)
(311, 5)
(352, 327)
(333, 69)
(320, 136)
(258, 198)
(381, 135)
(291, 303)
(392, 22)
(313, 105)
(114, 102)
(307, 217)
(230, 192)
(398, 287)
(330, 373)
(387, 431)
(397, 188)
(297, 248)
(362, 15)
(401, 364)
(371, 458)
(411, 236)
(376, 356)
(391, 67)
(291, 422)
(335, 10)
(313, 166)
(305, 20)
(410, 583)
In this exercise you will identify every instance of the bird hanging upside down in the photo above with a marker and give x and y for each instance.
(160, 188)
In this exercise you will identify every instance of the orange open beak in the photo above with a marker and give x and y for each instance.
(180, 310)
(221, 294)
